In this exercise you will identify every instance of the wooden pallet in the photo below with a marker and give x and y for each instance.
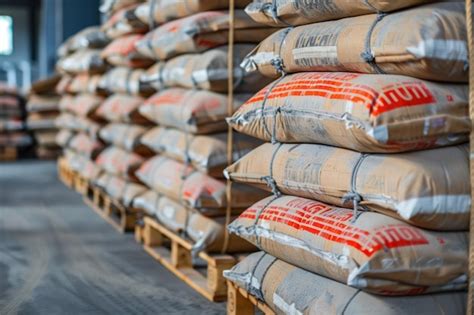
(174, 253)
(65, 174)
(240, 302)
(120, 217)
(81, 185)
(8, 153)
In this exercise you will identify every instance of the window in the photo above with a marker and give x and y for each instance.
(6, 35)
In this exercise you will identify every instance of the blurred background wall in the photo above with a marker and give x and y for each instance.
(32, 30)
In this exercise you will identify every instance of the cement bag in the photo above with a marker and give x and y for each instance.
(290, 290)
(82, 105)
(158, 12)
(126, 81)
(122, 53)
(193, 111)
(120, 189)
(63, 137)
(83, 165)
(429, 189)
(362, 112)
(10, 106)
(206, 71)
(85, 145)
(64, 84)
(89, 61)
(208, 154)
(122, 108)
(119, 162)
(125, 136)
(15, 139)
(198, 33)
(76, 123)
(111, 6)
(299, 12)
(375, 253)
(207, 233)
(192, 188)
(43, 103)
(11, 124)
(124, 22)
(41, 121)
(85, 83)
(46, 138)
(427, 42)
(90, 37)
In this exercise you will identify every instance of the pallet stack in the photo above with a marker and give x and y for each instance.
(43, 108)
(81, 68)
(117, 185)
(366, 124)
(186, 201)
(13, 134)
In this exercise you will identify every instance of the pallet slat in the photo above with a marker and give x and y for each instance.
(8, 153)
(174, 253)
(240, 302)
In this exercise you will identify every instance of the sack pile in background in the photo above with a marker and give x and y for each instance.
(13, 134)
(368, 167)
(43, 109)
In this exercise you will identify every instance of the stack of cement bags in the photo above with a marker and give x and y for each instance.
(13, 134)
(367, 163)
(125, 126)
(186, 187)
(81, 67)
(43, 108)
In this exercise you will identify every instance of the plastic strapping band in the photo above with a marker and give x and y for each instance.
(349, 302)
(367, 55)
(151, 18)
(353, 194)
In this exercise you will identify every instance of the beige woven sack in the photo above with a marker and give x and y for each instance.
(119, 162)
(122, 53)
(430, 188)
(82, 61)
(370, 251)
(84, 83)
(76, 123)
(122, 108)
(192, 188)
(125, 136)
(125, 81)
(198, 33)
(122, 23)
(206, 233)
(207, 154)
(362, 112)
(427, 42)
(298, 12)
(86, 146)
(194, 111)
(290, 290)
(120, 189)
(82, 105)
(43, 103)
(63, 137)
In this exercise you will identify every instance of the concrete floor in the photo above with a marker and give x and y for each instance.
(58, 257)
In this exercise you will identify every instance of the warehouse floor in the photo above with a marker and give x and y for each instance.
(58, 257)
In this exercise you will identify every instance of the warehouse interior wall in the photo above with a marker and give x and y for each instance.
(39, 27)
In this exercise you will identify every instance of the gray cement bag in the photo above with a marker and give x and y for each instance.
(81, 61)
(426, 42)
(82, 105)
(429, 189)
(206, 71)
(124, 22)
(119, 162)
(77, 124)
(193, 111)
(362, 112)
(120, 189)
(206, 233)
(290, 290)
(125, 136)
(63, 137)
(193, 188)
(156, 12)
(83, 165)
(122, 108)
(124, 80)
(200, 32)
(368, 251)
(41, 121)
(298, 12)
(207, 153)
(84, 145)
(43, 103)
(91, 37)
